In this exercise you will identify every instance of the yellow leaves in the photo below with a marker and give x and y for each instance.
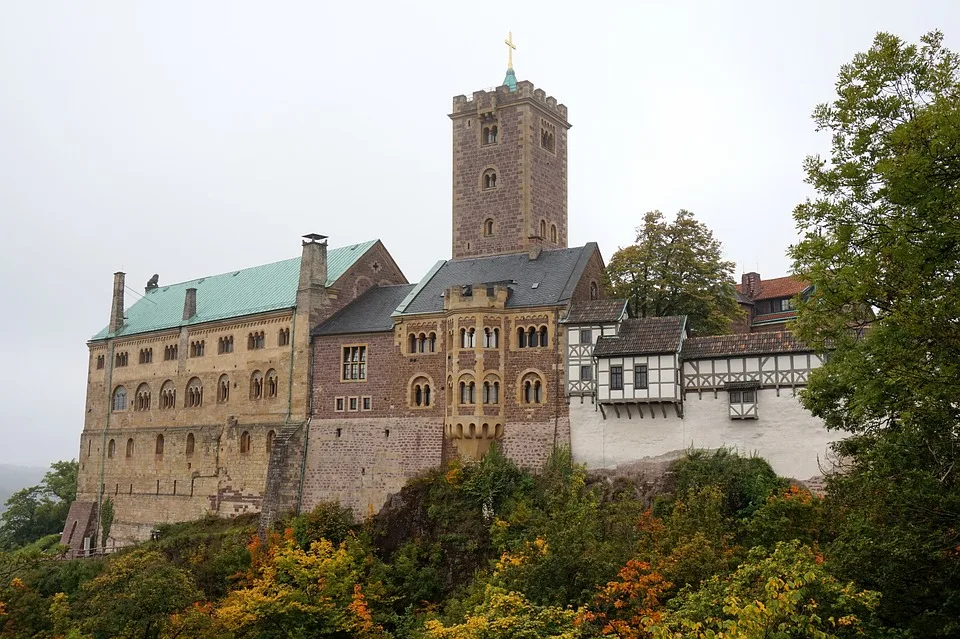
(17, 583)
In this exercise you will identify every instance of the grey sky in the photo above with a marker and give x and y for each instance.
(190, 138)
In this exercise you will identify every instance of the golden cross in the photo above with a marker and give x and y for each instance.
(511, 47)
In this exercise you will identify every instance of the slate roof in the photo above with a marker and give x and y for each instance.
(644, 336)
(769, 343)
(548, 280)
(596, 311)
(788, 286)
(257, 289)
(369, 313)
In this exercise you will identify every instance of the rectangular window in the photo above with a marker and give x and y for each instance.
(353, 403)
(735, 397)
(616, 378)
(586, 336)
(367, 403)
(640, 376)
(749, 397)
(586, 373)
(354, 363)
(787, 304)
(338, 405)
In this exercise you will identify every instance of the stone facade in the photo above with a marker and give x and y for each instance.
(526, 202)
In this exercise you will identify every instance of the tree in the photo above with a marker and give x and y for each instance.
(677, 268)
(106, 521)
(37, 511)
(881, 245)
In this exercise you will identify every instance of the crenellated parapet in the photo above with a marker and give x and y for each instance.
(492, 99)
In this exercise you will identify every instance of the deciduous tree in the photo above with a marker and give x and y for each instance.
(676, 268)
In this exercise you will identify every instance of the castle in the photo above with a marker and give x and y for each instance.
(330, 377)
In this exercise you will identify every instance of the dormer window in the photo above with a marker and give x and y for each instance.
(489, 179)
(489, 135)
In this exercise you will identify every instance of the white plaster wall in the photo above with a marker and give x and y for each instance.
(793, 441)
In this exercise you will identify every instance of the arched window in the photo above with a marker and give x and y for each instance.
(130, 447)
(191, 442)
(283, 337)
(594, 291)
(463, 338)
(142, 400)
(531, 387)
(521, 338)
(422, 343)
(168, 395)
(553, 233)
(194, 393)
(468, 392)
(543, 228)
(245, 442)
(271, 435)
(488, 226)
(119, 398)
(449, 391)
(432, 342)
(489, 179)
(418, 395)
(256, 385)
(491, 392)
(223, 389)
(413, 344)
(273, 383)
(112, 448)
(532, 341)
(159, 450)
(471, 337)
(543, 336)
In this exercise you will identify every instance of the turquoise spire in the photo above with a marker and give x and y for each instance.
(511, 79)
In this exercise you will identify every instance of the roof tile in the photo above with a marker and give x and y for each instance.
(596, 311)
(788, 286)
(743, 344)
(369, 313)
(644, 335)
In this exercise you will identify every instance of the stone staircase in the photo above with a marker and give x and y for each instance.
(283, 475)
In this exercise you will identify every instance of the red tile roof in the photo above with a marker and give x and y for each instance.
(778, 287)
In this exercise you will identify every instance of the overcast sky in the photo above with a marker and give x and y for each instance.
(192, 138)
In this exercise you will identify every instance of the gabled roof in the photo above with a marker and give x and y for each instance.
(369, 313)
(769, 343)
(644, 336)
(257, 289)
(788, 286)
(596, 311)
(548, 280)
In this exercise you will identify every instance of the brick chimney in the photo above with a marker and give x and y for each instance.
(750, 283)
(190, 304)
(116, 309)
(534, 247)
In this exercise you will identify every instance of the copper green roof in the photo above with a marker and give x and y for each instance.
(257, 289)
(511, 79)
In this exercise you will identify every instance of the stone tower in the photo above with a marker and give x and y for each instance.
(509, 171)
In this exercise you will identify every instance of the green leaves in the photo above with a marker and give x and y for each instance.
(676, 268)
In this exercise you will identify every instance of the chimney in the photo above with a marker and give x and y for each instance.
(750, 283)
(313, 263)
(190, 304)
(116, 310)
(535, 246)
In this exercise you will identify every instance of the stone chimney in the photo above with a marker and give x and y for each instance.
(190, 304)
(116, 309)
(534, 247)
(311, 290)
(750, 283)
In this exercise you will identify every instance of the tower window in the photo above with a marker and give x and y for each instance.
(100, 361)
(553, 233)
(543, 228)
(548, 136)
(594, 291)
(489, 179)
(489, 135)
(488, 227)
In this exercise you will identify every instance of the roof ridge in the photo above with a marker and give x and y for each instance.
(247, 268)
